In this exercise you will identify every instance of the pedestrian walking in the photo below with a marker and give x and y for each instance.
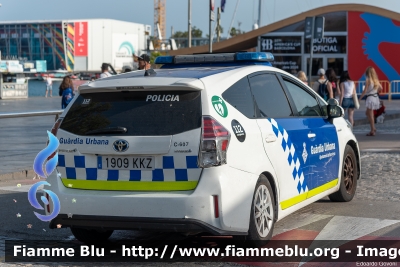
(332, 78)
(371, 90)
(67, 94)
(49, 85)
(302, 77)
(322, 86)
(144, 62)
(104, 71)
(347, 92)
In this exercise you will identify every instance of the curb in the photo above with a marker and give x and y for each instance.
(387, 117)
(386, 151)
(19, 175)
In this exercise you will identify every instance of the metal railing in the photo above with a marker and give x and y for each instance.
(395, 87)
(359, 86)
(31, 114)
(389, 88)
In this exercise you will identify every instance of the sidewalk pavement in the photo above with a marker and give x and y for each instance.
(22, 138)
(392, 111)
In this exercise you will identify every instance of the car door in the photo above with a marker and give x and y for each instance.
(318, 136)
(282, 136)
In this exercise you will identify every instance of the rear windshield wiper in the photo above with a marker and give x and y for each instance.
(108, 130)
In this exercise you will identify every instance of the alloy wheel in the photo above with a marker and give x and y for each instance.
(263, 211)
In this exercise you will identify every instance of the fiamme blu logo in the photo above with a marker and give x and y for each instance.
(43, 165)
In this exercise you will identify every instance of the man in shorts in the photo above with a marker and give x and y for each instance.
(49, 86)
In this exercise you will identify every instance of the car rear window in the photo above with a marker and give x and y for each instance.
(142, 113)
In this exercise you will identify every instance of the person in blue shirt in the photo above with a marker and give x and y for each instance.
(66, 91)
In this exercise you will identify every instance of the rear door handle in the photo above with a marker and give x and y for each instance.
(270, 138)
(311, 135)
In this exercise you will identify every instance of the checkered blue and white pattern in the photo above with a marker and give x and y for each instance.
(170, 168)
(292, 157)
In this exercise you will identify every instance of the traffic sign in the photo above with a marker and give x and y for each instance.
(319, 27)
(308, 27)
(212, 15)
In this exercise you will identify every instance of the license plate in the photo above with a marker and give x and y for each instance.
(125, 163)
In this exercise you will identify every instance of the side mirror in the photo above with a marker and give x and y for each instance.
(333, 102)
(334, 110)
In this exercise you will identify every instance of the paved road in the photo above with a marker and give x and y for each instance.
(22, 138)
(387, 137)
(374, 213)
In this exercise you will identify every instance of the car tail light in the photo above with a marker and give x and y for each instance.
(214, 143)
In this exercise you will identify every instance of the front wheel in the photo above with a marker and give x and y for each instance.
(348, 182)
(263, 212)
(87, 235)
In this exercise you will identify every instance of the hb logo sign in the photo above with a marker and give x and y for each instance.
(267, 44)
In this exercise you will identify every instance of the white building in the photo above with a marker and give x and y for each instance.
(74, 45)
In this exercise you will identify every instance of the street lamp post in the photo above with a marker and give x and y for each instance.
(190, 24)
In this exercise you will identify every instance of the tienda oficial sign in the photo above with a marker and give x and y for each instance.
(81, 39)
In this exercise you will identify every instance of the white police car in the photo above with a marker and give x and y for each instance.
(217, 143)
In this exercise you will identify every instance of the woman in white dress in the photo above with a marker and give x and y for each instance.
(371, 90)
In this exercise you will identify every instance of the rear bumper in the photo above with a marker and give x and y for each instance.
(130, 223)
(184, 210)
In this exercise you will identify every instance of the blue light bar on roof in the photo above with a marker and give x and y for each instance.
(254, 56)
(215, 58)
(164, 60)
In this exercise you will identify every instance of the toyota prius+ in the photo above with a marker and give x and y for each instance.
(223, 144)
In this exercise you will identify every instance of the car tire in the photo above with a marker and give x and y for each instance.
(263, 212)
(348, 181)
(87, 235)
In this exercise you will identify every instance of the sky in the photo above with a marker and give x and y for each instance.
(138, 11)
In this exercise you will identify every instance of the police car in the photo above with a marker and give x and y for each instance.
(214, 143)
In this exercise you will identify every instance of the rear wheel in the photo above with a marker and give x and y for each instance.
(348, 183)
(87, 235)
(263, 212)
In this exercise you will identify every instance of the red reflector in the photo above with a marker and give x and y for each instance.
(224, 145)
(48, 199)
(216, 208)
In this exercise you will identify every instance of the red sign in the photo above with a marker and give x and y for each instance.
(212, 5)
(81, 39)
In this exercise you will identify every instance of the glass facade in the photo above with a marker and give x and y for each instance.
(33, 42)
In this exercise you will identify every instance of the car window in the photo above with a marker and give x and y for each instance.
(142, 113)
(269, 96)
(239, 96)
(306, 104)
